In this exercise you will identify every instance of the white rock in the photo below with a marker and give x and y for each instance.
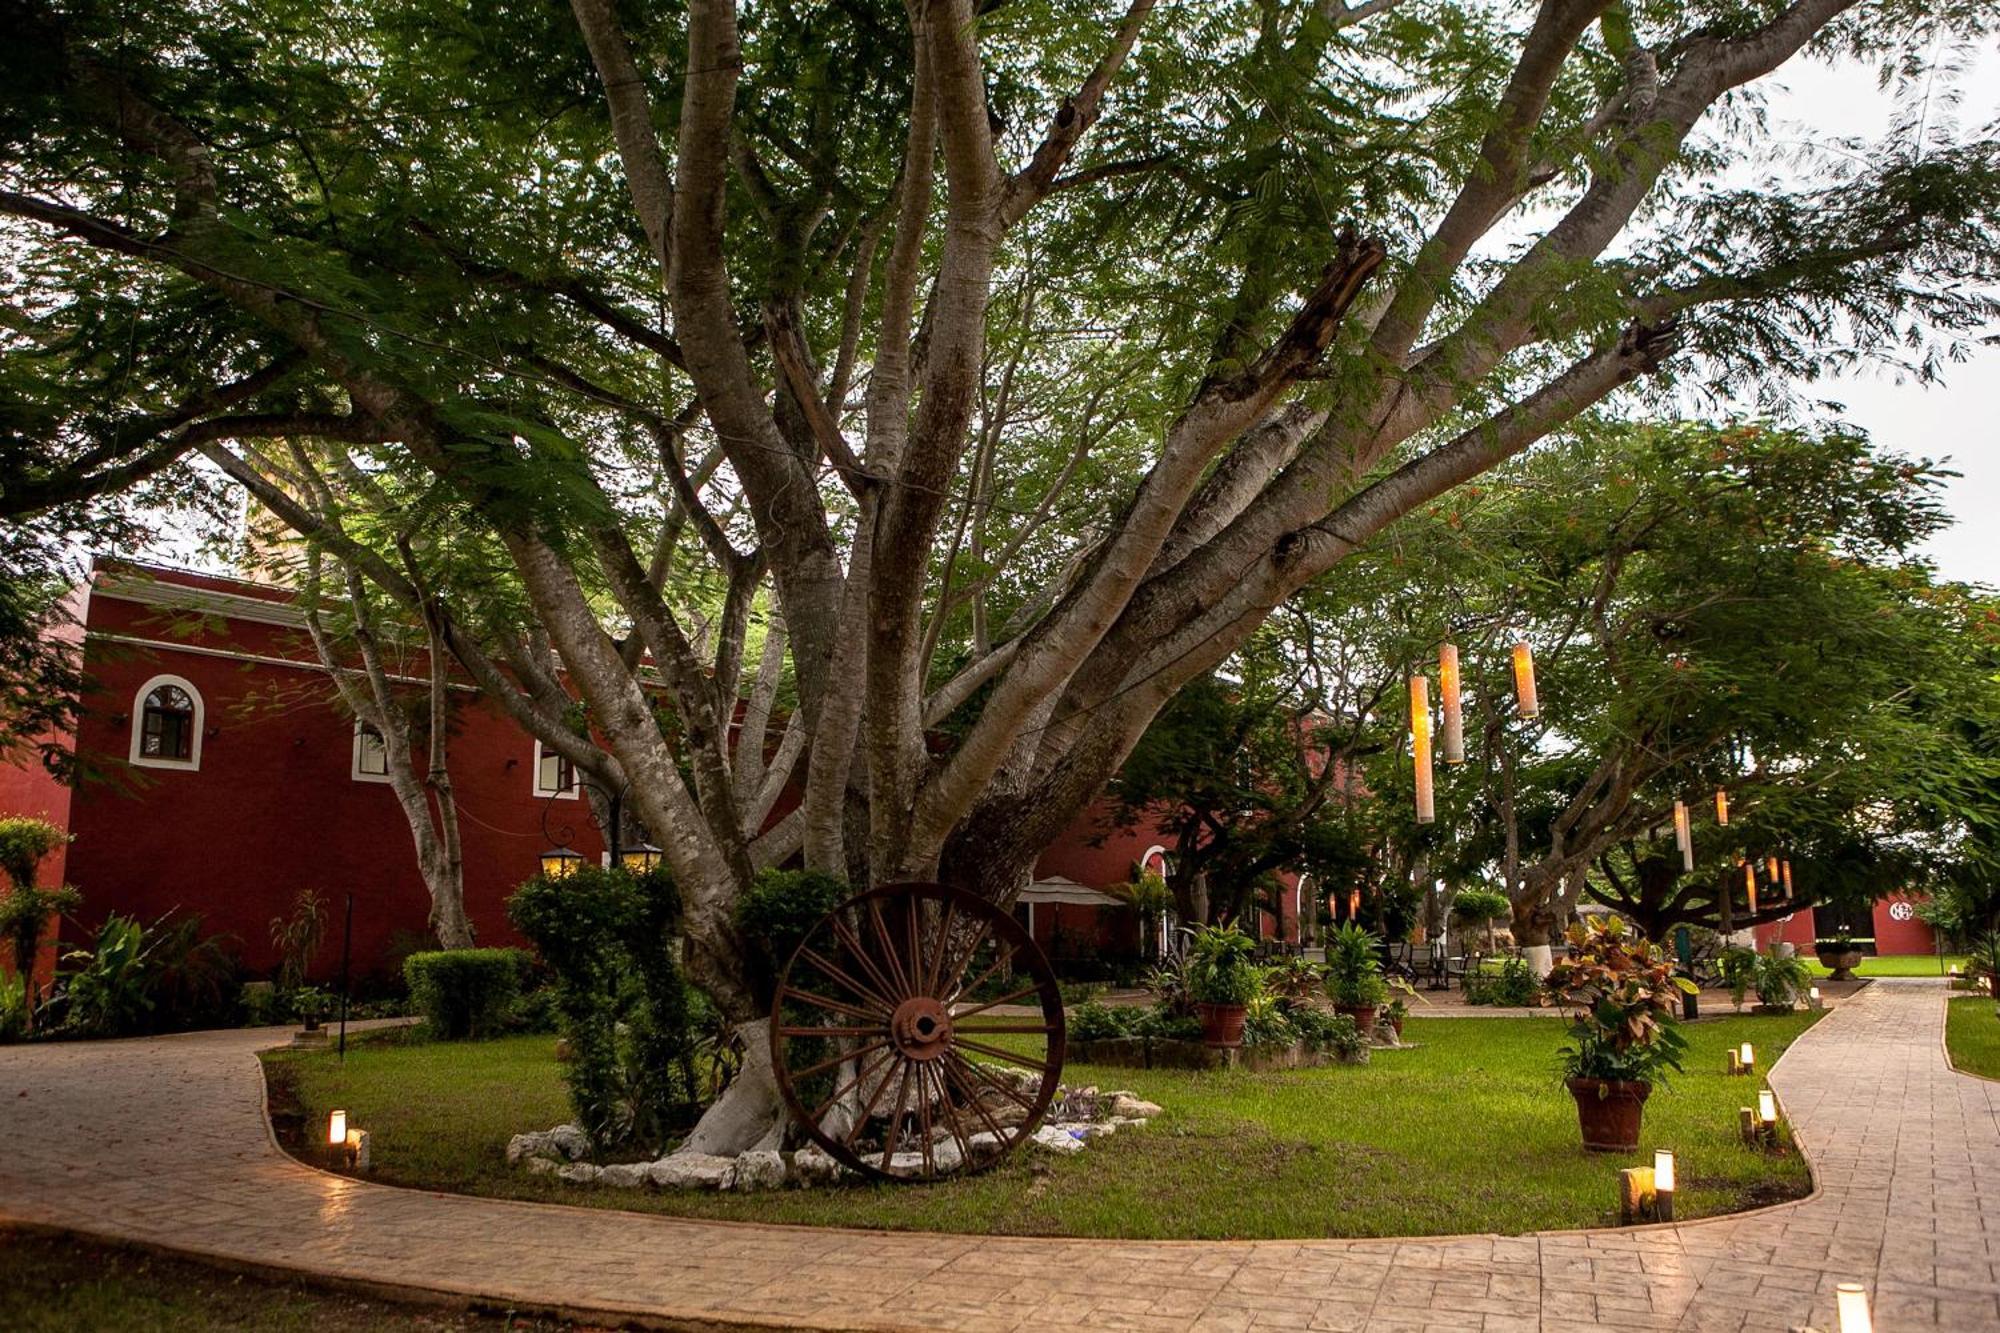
(1056, 1140)
(1124, 1105)
(759, 1170)
(625, 1175)
(542, 1166)
(693, 1171)
(570, 1141)
(527, 1145)
(812, 1165)
(1089, 1129)
(578, 1173)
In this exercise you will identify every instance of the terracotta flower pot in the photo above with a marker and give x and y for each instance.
(1222, 1024)
(1609, 1112)
(1362, 1014)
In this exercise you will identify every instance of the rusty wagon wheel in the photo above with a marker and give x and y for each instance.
(886, 1040)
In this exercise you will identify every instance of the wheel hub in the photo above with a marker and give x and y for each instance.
(921, 1027)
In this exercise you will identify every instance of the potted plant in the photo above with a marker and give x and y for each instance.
(311, 1004)
(1620, 989)
(1222, 981)
(1984, 960)
(1779, 981)
(1840, 954)
(1738, 969)
(1354, 975)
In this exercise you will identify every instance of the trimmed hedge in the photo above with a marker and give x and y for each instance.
(465, 992)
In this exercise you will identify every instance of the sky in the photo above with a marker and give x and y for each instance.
(1959, 419)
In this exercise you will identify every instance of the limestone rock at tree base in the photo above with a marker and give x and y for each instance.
(1127, 1106)
(759, 1170)
(813, 1166)
(570, 1141)
(693, 1171)
(578, 1173)
(542, 1166)
(625, 1175)
(1055, 1140)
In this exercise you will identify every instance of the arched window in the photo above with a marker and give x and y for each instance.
(554, 774)
(167, 724)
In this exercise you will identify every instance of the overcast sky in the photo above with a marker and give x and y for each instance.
(1959, 419)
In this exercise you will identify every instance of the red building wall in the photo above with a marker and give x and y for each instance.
(26, 788)
(1892, 934)
(273, 807)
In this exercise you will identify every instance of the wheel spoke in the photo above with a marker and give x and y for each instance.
(802, 1031)
(896, 1116)
(951, 1117)
(941, 949)
(859, 1074)
(885, 940)
(1001, 1053)
(1004, 999)
(802, 1075)
(1005, 1089)
(867, 963)
(952, 1069)
(984, 977)
(882, 1086)
(813, 956)
(838, 1006)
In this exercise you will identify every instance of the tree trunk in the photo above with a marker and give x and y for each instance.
(749, 1115)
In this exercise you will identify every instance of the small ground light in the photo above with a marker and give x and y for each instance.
(1748, 1055)
(1663, 1184)
(1850, 1302)
(336, 1130)
(1813, 999)
(1767, 1107)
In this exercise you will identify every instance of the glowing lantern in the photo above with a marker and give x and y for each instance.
(1750, 884)
(1786, 867)
(336, 1130)
(1850, 1303)
(1420, 739)
(1354, 904)
(1451, 696)
(1746, 1055)
(1771, 868)
(1767, 1107)
(560, 863)
(1683, 836)
(1721, 806)
(1524, 678)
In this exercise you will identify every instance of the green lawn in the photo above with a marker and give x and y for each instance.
(1896, 965)
(51, 1284)
(1468, 1133)
(1972, 1035)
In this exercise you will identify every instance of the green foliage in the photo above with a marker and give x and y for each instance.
(778, 912)
(106, 994)
(465, 993)
(1621, 991)
(25, 913)
(1738, 968)
(1294, 980)
(1512, 986)
(13, 1007)
(136, 979)
(1780, 980)
(1092, 1021)
(1220, 970)
(24, 841)
(1479, 907)
(297, 937)
(1354, 966)
(608, 940)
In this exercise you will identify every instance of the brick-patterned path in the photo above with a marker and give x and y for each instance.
(163, 1142)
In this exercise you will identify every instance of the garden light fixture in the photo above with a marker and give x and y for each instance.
(1524, 678)
(1451, 696)
(1663, 1184)
(1683, 835)
(1721, 806)
(1750, 884)
(1767, 1108)
(1420, 747)
(1748, 1055)
(1850, 1304)
(560, 863)
(641, 859)
(336, 1129)
(1813, 1000)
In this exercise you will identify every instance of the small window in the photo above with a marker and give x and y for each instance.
(166, 724)
(554, 774)
(371, 755)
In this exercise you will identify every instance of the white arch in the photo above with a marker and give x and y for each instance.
(1159, 850)
(193, 761)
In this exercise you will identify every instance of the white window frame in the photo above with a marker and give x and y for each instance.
(355, 770)
(575, 792)
(193, 762)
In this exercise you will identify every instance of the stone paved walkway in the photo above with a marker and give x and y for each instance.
(163, 1142)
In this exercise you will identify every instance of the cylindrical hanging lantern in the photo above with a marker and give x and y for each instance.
(1420, 746)
(1750, 884)
(1524, 678)
(1771, 868)
(1683, 835)
(1785, 868)
(1354, 904)
(1721, 806)
(1450, 694)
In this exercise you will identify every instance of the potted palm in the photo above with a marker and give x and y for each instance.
(1222, 980)
(1841, 955)
(1354, 974)
(1985, 961)
(1779, 981)
(1620, 990)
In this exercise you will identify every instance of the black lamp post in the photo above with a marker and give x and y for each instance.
(562, 860)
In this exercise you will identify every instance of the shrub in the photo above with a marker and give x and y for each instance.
(1513, 985)
(106, 994)
(1099, 1022)
(1738, 967)
(607, 938)
(1220, 970)
(778, 912)
(1354, 967)
(464, 993)
(1162, 1024)
(1170, 986)
(1480, 907)
(23, 843)
(1621, 988)
(297, 938)
(1294, 981)
(1779, 980)
(1265, 1025)
(13, 1008)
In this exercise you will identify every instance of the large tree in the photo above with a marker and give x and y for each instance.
(1034, 354)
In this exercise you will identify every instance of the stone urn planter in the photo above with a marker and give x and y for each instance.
(1222, 1024)
(1609, 1111)
(1841, 961)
